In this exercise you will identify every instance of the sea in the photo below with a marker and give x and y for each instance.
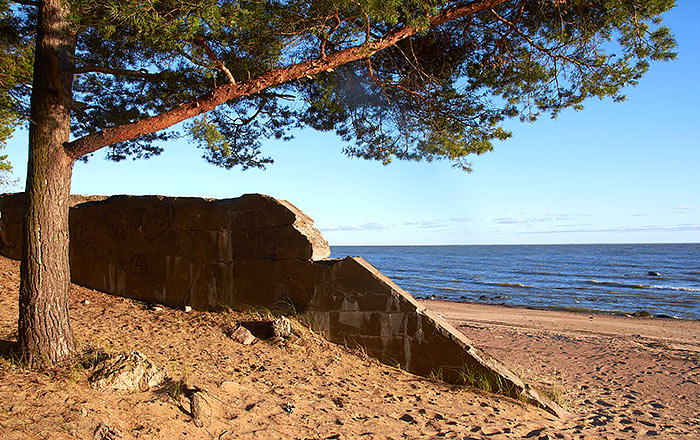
(661, 279)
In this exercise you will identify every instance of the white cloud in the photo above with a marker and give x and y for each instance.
(373, 226)
(655, 228)
(550, 217)
(511, 220)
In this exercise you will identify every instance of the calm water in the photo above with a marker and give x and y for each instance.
(586, 277)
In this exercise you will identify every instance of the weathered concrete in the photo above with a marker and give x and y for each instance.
(261, 251)
(185, 251)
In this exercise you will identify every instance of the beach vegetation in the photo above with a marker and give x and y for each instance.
(436, 374)
(488, 381)
(557, 394)
(287, 306)
(396, 80)
(19, 360)
(548, 385)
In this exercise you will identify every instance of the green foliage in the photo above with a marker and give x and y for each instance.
(441, 94)
(16, 57)
(489, 381)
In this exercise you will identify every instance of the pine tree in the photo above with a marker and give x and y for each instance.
(395, 79)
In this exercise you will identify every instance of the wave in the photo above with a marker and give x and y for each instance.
(520, 285)
(450, 289)
(566, 274)
(616, 283)
(536, 272)
(642, 286)
(682, 289)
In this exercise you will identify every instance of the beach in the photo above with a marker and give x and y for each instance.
(633, 375)
(620, 377)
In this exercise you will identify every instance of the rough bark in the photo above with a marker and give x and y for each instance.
(45, 335)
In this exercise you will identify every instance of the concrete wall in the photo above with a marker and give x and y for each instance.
(257, 250)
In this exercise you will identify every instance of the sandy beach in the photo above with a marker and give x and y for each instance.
(633, 376)
(620, 377)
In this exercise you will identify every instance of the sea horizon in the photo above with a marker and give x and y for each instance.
(660, 279)
(518, 244)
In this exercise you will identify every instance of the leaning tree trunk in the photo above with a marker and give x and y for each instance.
(45, 335)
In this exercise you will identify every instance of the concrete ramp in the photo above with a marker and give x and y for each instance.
(260, 251)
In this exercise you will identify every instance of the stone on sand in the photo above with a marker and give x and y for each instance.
(281, 327)
(129, 372)
(243, 336)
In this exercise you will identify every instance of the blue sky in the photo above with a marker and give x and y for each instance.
(613, 173)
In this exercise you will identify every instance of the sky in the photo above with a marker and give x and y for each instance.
(613, 173)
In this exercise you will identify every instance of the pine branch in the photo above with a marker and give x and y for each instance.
(201, 42)
(109, 136)
(537, 46)
(141, 73)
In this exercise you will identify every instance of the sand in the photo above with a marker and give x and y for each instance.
(630, 375)
(621, 378)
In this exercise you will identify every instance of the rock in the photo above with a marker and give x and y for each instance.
(104, 432)
(188, 309)
(243, 336)
(407, 418)
(653, 273)
(128, 372)
(642, 314)
(282, 328)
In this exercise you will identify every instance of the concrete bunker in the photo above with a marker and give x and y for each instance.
(260, 251)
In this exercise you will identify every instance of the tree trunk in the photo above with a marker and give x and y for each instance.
(45, 335)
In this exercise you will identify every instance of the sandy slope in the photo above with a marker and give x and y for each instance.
(309, 388)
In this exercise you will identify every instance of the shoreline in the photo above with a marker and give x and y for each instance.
(644, 314)
(673, 330)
